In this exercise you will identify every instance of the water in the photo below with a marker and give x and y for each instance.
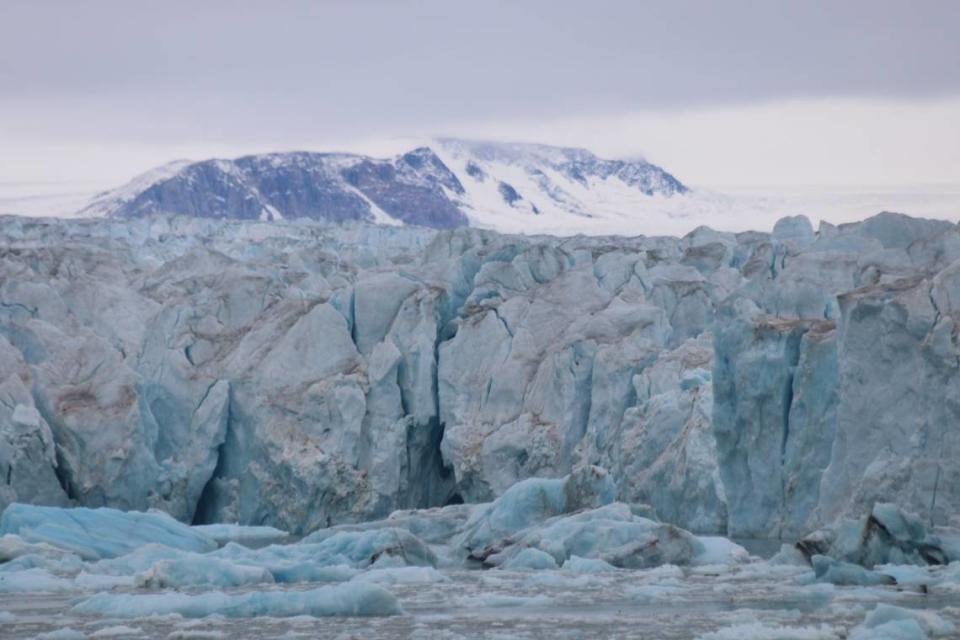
(759, 599)
(764, 548)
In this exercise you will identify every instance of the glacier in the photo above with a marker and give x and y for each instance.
(189, 405)
(299, 375)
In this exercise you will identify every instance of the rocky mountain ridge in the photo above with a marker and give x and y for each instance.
(451, 183)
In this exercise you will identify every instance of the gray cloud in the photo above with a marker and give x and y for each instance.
(339, 67)
(108, 88)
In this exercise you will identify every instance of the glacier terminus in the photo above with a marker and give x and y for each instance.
(196, 411)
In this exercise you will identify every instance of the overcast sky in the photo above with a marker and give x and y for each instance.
(849, 92)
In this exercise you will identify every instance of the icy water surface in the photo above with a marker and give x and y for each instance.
(756, 600)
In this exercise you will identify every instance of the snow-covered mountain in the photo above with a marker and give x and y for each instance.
(451, 183)
(445, 182)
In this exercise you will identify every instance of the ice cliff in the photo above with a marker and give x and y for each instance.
(301, 375)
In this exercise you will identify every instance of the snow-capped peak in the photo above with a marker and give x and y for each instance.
(523, 187)
(449, 182)
(111, 202)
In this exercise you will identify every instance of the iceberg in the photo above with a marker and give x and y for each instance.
(96, 582)
(434, 526)
(242, 534)
(847, 574)
(887, 535)
(531, 502)
(198, 570)
(33, 561)
(288, 572)
(610, 533)
(760, 631)
(350, 599)
(613, 534)
(530, 559)
(401, 575)
(526, 503)
(363, 549)
(587, 565)
(33, 580)
(13, 546)
(713, 550)
(116, 631)
(95, 534)
(140, 559)
(889, 622)
(66, 633)
(497, 601)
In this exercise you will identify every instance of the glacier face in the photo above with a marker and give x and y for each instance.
(298, 374)
(450, 183)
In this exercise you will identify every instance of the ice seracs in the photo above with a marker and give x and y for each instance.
(302, 375)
